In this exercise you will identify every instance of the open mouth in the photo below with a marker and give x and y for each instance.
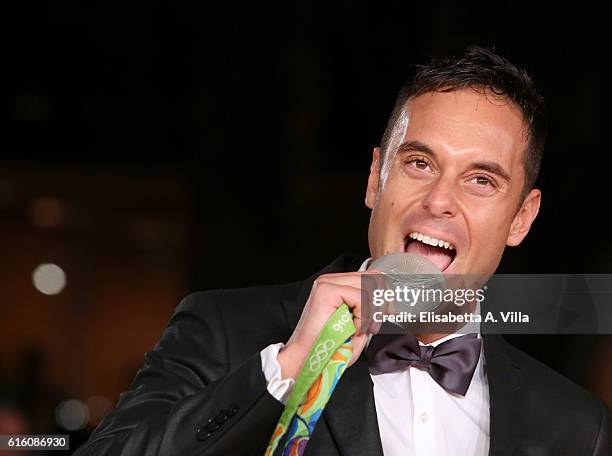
(439, 251)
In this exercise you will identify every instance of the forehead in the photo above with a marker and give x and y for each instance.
(467, 122)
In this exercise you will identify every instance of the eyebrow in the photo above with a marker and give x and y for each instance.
(492, 167)
(489, 166)
(415, 146)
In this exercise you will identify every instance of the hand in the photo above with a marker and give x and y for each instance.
(328, 292)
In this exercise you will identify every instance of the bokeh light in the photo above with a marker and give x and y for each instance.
(71, 415)
(49, 278)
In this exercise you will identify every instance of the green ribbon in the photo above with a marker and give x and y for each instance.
(334, 339)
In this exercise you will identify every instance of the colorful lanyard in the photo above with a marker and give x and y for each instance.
(324, 365)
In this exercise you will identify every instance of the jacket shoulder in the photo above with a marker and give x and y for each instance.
(259, 306)
(554, 398)
(238, 322)
(236, 299)
(249, 319)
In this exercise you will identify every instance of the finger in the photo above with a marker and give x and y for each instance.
(353, 279)
(336, 295)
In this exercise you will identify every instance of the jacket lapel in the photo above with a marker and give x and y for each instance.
(351, 413)
(505, 396)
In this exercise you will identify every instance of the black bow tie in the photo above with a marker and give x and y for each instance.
(451, 364)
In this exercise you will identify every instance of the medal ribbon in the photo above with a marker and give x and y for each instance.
(326, 362)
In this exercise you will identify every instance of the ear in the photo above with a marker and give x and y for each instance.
(373, 179)
(524, 218)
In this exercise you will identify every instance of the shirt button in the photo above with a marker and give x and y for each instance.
(424, 417)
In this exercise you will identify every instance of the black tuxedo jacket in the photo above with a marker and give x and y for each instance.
(201, 390)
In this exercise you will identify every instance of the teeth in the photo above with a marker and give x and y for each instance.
(431, 241)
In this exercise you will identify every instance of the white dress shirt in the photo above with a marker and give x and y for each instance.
(416, 416)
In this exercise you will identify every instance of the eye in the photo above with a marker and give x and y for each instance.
(482, 185)
(482, 180)
(418, 163)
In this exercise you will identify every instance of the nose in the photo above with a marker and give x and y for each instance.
(439, 200)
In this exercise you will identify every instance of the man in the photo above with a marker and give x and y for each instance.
(456, 168)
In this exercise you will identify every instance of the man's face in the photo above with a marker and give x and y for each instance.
(456, 178)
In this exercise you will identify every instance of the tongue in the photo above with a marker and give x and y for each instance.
(438, 256)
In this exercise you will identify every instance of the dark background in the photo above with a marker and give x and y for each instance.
(153, 149)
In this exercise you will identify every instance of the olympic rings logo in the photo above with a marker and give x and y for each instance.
(320, 354)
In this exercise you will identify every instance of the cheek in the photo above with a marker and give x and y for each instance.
(393, 206)
(384, 212)
(488, 228)
(390, 209)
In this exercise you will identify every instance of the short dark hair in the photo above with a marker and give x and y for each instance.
(485, 71)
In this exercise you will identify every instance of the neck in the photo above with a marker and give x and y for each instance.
(429, 338)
